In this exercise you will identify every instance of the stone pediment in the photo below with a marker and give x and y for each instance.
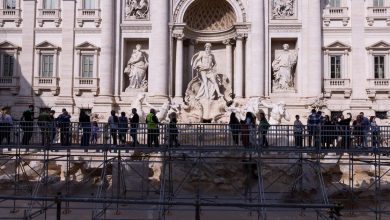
(45, 45)
(87, 46)
(381, 45)
(337, 45)
(6, 45)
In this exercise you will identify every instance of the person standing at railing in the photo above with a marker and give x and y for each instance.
(123, 128)
(85, 125)
(357, 126)
(328, 130)
(5, 125)
(248, 130)
(365, 129)
(94, 132)
(234, 125)
(345, 130)
(44, 121)
(113, 121)
(64, 124)
(173, 132)
(27, 124)
(134, 123)
(375, 132)
(153, 130)
(298, 131)
(263, 130)
(52, 126)
(312, 127)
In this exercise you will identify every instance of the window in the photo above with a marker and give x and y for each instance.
(381, 115)
(9, 4)
(88, 4)
(87, 66)
(8, 65)
(49, 4)
(335, 3)
(335, 67)
(47, 66)
(379, 67)
(378, 3)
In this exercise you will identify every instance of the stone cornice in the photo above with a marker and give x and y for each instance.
(48, 30)
(136, 27)
(87, 30)
(11, 30)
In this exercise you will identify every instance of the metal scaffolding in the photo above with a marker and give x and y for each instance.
(206, 175)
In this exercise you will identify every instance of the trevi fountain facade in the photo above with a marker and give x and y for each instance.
(199, 58)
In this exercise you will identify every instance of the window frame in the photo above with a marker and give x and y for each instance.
(332, 4)
(378, 3)
(5, 5)
(91, 6)
(90, 67)
(42, 65)
(53, 4)
(340, 65)
(11, 66)
(375, 65)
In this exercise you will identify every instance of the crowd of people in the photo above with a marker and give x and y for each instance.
(320, 130)
(117, 128)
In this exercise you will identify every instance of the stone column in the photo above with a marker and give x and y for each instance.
(66, 73)
(27, 54)
(106, 69)
(257, 74)
(159, 41)
(314, 43)
(239, 68)
(179, 65)
(191, 52)
(229, 59)
(358, 55)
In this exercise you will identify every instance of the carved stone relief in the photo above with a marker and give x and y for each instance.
(137, 9)
(283, 8)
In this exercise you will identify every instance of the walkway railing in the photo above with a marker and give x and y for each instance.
(210, 136)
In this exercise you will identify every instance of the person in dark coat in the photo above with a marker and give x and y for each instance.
(173, 132)
(85, 124)
(64, 124)
(234, 125)
(27, 124)
(134, 123)
(123, 127)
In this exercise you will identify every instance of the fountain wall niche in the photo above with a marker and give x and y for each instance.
(135, 66)
(284, 59)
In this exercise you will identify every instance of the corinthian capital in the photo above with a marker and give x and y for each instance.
(179, 36)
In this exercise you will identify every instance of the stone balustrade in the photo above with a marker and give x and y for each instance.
(378, 85)
(53, 15)
(378, 13)
(337, 86)
(93, 15)
(11, 83)
(12, 15)
(336, 13)
(86, 84)
(46, 84)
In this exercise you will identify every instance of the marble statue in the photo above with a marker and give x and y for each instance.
(137, 68)
(283, 67)
(137, 9)
(203, 63)
(278, 112)
(283, 8)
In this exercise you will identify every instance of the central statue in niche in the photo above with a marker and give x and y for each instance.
(283, 67)
(203, 64)
(209, 91)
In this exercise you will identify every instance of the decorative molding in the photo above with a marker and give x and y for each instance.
(11, 30)
(137, 27)
(285, 28)
(87, 30)
(48, 30)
